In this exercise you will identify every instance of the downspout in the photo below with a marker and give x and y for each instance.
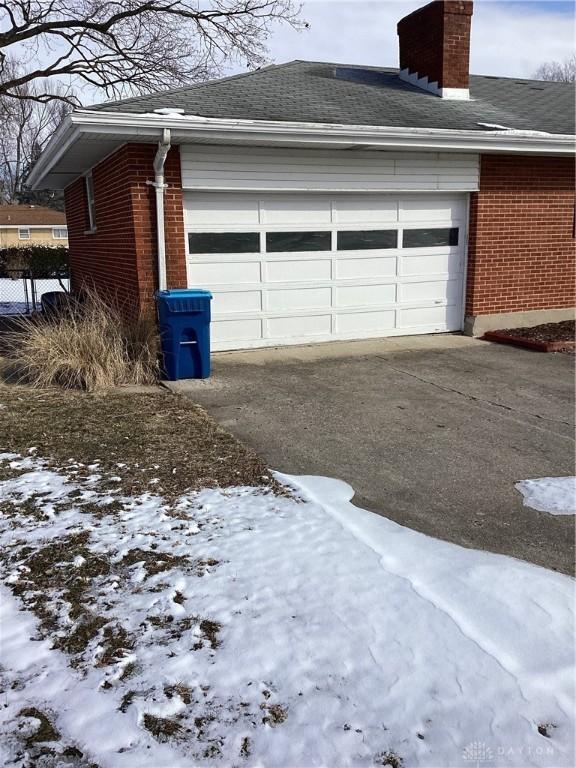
(160, 186)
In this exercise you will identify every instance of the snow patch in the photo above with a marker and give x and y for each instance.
(329, 636)
(556, 495)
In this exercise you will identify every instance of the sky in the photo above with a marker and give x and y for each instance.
(508, 38)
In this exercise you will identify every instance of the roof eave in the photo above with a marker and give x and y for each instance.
(188, 129)
(54, 150)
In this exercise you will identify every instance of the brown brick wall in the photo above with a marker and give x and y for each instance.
(435, 42)
(120, 256)
(521, 253)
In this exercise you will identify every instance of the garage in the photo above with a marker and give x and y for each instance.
(288, 268)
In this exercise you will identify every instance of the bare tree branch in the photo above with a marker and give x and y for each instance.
(558, 71)
(125, 47)
(26, 122)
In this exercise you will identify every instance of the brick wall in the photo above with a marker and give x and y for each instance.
(521, 253)
(435, 42)
(120, 256)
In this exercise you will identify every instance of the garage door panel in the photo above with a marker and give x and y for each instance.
(224, 302)
(238, 330)
(305, 270)
(364, 295)
(440, 318)
(435, 208)
(223, 209)
(299, 298)
(224, 273)
(431, 264)
(358, 268)
(365, 209)
(297, 211)
(299, 326)
(364, 322)
(430, 290)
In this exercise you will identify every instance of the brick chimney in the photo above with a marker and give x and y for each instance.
(435, 48)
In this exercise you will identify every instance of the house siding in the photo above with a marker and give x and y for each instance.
(38, 236)
(521, 242)
(308, 170)
(119, 257)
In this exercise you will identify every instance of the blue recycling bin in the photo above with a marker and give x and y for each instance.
(184, 320)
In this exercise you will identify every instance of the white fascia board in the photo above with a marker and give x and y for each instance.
(191, 129)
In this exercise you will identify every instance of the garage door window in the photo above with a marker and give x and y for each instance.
(224, 242)
(430, 238)
(367, 239)
(277, 242)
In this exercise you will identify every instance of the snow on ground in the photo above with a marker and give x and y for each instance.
(556, 495)
(235, 627)
(14, 308)
(15, 294)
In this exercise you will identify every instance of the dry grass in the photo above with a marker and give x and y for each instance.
(151, 435)
(92, 347)
(162, 728)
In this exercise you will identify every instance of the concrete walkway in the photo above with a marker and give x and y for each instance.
(431, 431)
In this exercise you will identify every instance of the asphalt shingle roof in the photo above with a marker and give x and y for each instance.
(30, 215)
(310, 91)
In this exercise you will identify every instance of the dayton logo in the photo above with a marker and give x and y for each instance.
(477, 752)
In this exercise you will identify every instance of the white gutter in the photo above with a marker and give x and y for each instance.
(160, 186)
(194, 126)
(191, 128)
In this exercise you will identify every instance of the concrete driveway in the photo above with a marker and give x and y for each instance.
(431, 431)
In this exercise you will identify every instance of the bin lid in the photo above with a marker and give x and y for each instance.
(184, 293)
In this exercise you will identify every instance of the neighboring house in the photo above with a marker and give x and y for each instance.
(31, 225)
(322, 201)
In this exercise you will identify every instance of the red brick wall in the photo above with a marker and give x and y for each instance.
(435, 42)
(521, 252)
(120, 256)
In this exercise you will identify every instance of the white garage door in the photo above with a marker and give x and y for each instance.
(294, 268)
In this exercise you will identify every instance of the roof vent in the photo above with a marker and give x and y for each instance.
(169, 111)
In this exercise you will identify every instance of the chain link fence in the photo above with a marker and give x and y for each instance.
(26, 273)
(21, 292)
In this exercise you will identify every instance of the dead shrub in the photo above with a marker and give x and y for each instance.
(91, 347)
